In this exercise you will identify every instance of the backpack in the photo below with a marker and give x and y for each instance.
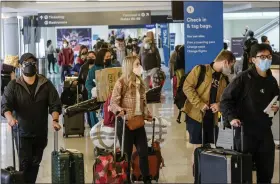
(68, 96)
(180, 97)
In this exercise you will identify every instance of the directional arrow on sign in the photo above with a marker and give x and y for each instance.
(147, 14)
(41, 17)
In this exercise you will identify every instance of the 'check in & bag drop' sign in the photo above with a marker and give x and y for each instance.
(203, 32)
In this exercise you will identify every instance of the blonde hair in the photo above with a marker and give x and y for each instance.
(127, 70)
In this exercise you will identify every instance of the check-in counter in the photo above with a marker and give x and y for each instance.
(275, 69)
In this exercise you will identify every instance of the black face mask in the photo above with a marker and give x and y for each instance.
(29, 70)
(107, 62)
(91, 61)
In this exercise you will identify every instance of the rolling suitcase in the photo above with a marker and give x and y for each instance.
(67, 165)
(155, 161)
(74, 125)
(110, 167)
(10, 175)
(218, 165)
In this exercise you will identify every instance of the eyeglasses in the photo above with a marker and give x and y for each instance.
(265, 57)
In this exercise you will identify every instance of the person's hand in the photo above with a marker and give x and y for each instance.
(149, 118)
(56, 126)
(215, 107)
(12, 122)
(75, 83)
(76, 73)
(205, 108)
(122, 113)
(235, 123)
(275, 108)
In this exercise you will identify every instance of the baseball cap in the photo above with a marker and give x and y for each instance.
(27, 56)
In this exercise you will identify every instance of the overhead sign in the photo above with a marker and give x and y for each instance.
(94, 18)
(237, 46)
(203, 32)
(172, 41)
(165, 42)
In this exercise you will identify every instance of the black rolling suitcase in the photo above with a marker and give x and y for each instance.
(218, 165)
(74, 125)
(10, 175)
(67, 165)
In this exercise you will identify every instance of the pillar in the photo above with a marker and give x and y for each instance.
(11, 40)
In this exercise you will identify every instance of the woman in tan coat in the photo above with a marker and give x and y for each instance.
(129, 99)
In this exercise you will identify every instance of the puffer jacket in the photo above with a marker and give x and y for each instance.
(124, 98)
(31, 112)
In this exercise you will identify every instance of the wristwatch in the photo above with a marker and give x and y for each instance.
(55, 120)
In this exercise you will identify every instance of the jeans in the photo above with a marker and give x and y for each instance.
(51, 61)
(30, 153)
(65, 71)
(138, 138)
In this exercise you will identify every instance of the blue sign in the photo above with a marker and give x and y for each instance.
(203, 32)
(165, 42)
(150, 26)
(172, 41)
(147, 26)
(95, 36)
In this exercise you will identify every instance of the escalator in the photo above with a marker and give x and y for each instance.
(267, 27)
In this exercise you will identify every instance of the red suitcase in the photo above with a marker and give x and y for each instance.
(110, 167)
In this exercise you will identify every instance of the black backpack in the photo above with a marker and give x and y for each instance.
(180, 97)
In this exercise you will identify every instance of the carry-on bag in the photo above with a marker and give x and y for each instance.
(67, 165)
(155, 161)
(10, 175)
(74, 125)
(218, 165)
(110, 167)
(153, 95)
(82, 107)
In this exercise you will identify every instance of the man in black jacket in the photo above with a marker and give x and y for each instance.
(26, 104)
(245, 100)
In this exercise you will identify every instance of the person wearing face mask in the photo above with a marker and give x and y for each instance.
(133, 103)
(80, 60)
(135, 47)
(65, 60)
(103, 60)
(150, 59)
(120, 49)
(203, 103)
(90, 60)
(40, 96)
(244, 101)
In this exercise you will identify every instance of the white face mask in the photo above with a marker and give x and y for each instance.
(226, 70)
(147, 46)
(65, 45)
(138, 71)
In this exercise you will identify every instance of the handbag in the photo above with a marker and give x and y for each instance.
(135, 122)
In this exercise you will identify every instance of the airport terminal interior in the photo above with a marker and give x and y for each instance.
(202, 28)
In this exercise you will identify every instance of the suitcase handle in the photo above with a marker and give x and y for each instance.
(13, 145)
(123, 135)
(55, 140)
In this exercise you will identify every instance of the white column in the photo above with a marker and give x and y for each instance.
(11, 40)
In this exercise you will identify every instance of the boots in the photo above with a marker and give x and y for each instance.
(147, 180)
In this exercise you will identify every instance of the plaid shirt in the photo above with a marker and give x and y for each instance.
(124, 98)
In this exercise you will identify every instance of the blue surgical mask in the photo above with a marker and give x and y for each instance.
(264, 64)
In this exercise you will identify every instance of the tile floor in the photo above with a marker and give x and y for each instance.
(176, 150)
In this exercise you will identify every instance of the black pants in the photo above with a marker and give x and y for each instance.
(262, 148)
(30, 156)
(139, 139)
(51, 61)
(65, 71)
